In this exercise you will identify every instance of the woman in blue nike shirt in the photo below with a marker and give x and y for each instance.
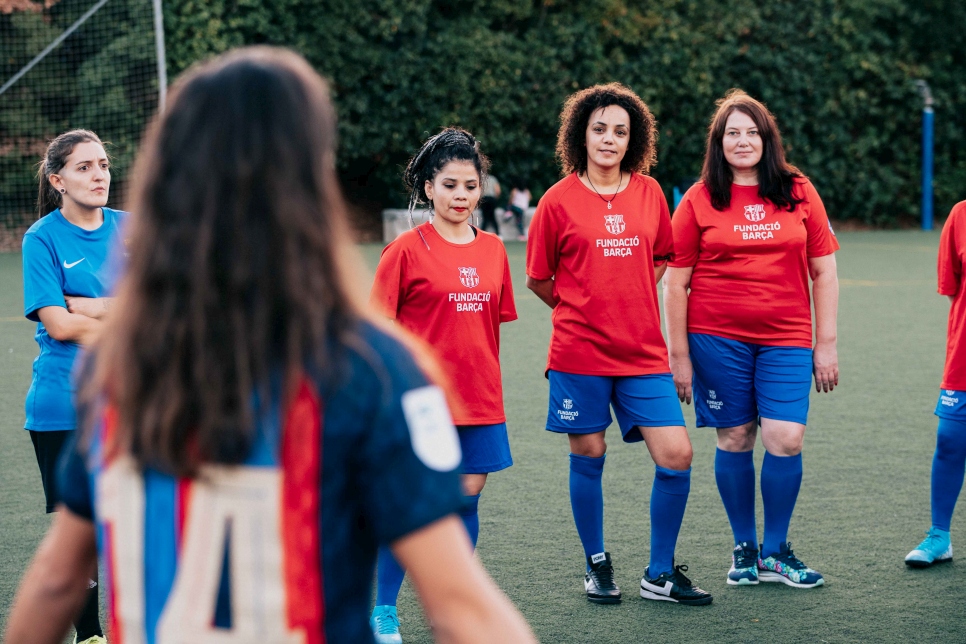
(65, 280)
(251, 434)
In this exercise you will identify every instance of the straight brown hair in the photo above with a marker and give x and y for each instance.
(776, 177)
(240, 262)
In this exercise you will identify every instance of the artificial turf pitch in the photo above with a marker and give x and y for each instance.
(864, 501)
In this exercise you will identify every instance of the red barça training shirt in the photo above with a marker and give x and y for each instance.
(454, 297)
(607, 321)
(750, 261)
(952, 254)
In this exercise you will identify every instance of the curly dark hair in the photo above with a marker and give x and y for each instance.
(641, 152)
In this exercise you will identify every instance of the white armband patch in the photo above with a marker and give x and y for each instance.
(431, 429)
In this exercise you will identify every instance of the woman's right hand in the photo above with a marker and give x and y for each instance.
(683, 374)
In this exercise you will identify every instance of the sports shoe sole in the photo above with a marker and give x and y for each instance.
(915, 563)
(604, 600)
(742, 582)
(767, 575)
(704, 601)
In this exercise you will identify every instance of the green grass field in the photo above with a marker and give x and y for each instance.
(864, 502)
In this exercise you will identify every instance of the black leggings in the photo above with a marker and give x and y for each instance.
(488, 207)
(47, 448)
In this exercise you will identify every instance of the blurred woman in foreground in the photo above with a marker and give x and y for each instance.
(252, 436)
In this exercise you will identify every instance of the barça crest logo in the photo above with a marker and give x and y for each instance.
(468, 276)
(568, 403)
(755, 213)
(614, 223)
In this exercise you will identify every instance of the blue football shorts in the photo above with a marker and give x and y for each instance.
(951, 405)
(736, 382)
(486, 448)
(581, 404)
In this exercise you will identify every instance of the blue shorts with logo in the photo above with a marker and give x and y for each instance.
(736, 382)
(581, 404)
(951, 405)
(486, 448)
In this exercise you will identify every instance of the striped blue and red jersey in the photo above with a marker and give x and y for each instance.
(282, 547)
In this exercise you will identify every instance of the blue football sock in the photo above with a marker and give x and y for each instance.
(471, 516)
(389, 578)
(948, 466)
(587, 501)
(669, 497)
(781, 478)
(735, 474)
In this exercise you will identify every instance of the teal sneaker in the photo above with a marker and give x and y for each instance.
(744, 565)
(785, 567)
(934, 549)
(385, 625)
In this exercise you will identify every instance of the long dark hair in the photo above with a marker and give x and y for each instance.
(776, 176)
(240, 257)
(641, 154)
(55, 157)
(450, 144)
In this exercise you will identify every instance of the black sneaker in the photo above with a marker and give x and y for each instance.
(599, 581)
(674, 587)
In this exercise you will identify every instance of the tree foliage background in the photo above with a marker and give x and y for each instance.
(838, 74)
(103, 77)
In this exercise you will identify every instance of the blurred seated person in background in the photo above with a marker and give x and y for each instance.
(518, 206)
(491, 193)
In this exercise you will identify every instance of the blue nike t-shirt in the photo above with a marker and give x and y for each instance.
(358, 460)
(61, 259)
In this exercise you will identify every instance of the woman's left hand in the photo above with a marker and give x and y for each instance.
(825, 366)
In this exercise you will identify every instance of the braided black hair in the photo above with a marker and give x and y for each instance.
(451, 144)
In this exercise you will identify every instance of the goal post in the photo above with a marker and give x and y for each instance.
(65, 64)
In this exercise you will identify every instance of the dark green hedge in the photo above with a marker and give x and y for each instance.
(838, 75)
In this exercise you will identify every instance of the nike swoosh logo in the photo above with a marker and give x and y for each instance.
(73, 264)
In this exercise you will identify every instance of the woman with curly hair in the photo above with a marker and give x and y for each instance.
(747, 238)
(599, 241)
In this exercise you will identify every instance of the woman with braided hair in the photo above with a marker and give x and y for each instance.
(448, 283)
